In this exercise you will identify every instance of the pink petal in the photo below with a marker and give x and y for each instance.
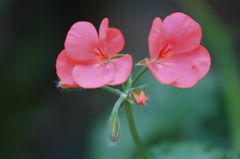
(200, 58)
(156, 38)
(187, 76)
(110, 38)
(103, 29)
(81, 40)
(64, 66)
(114, 41)
(182, 33)
(92, 76)
(121, 69)
(183, 74)
(187, 73)
(162, 73)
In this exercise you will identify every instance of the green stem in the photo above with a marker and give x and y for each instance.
(124, 87)
(140, 73)
(112, 90)
(134, 131)
(114, 122)
(118, 103)
(129, 82)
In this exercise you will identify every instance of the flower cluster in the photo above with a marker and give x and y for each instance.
(91, 59)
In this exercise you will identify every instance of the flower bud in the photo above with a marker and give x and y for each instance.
(138, 96)
(67, 87)
(114, 127)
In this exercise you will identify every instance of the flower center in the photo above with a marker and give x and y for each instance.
(164, 53)
(102, 57)
(163, 56)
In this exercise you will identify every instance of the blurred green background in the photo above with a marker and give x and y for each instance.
(38, 120)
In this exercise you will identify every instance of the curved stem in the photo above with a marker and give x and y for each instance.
(118, 104)
(112, 90)
(140, 73)
(114, 122)
(134, 131)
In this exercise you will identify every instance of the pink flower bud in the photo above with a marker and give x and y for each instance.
(139, 97)
(65, 86)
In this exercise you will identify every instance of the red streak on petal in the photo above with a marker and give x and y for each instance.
(164, 53)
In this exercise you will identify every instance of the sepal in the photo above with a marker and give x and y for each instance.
(143, 62)
(117, 56)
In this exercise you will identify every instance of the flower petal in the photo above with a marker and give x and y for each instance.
(182, 74)
(156, 38)
(64, 66)
(103, 29)
(187, 73)
(182, 33)
(92, 76)
(110, 38)
(114, 41)
(187, 76)
(200, 58)
(121, 69)
(81, 40)
(162, 73)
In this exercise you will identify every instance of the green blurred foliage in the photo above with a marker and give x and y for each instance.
(37, 120)
(189, 151)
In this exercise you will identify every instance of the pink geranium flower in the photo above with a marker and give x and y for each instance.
(89, 60)
(177, 58)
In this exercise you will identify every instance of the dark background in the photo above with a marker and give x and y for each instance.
(38, 120)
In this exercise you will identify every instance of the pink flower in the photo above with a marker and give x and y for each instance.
(177, 58)
(89, 60)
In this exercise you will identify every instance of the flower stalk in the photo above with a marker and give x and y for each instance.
(114, 122)
(134, 130)
(140, 73)
(112, 90)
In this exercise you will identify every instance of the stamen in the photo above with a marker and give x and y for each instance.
(103, 59)
(101, 55)
(163, 54)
